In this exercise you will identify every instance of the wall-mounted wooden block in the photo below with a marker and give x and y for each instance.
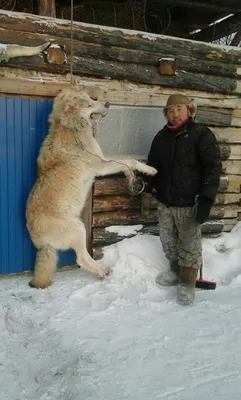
(167, 66)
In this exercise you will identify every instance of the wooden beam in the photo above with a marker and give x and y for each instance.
(47, 8)
(125, 39)
(232, 167)
(118, 54)
(102, 237)
(89, 67)
(227, 135)
(16, 81)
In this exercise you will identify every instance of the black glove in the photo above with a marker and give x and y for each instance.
(203, 209)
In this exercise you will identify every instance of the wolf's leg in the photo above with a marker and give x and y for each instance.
(45, 264)
(84, 260)
(108, 167)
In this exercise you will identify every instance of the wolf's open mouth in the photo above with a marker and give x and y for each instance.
(97, 116)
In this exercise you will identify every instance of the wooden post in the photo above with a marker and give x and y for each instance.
(47, 8)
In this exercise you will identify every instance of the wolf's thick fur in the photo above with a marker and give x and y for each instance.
(69, 160)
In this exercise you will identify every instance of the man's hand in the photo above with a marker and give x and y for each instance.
(203, 209)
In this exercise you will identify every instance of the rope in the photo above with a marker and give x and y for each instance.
(71, 38)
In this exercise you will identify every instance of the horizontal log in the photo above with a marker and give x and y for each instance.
(110, 186)
(230, 184)
(236, 113)
(111, 203)
(147, 74)
(122, 217)
(118, 37)
(130, 217)
(118, 54)
(227, 135)
(231, 210)
(102, 237)
(116, 186)
(228, 198)
(212, 227)
(211, 116)
(229, 224)
(30, 83)
(236, 121)
(232, 167)
(232, 152)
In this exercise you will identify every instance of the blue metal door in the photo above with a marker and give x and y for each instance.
(23, 126)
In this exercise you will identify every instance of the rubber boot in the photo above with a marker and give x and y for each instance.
(170, 277)
(186, 285)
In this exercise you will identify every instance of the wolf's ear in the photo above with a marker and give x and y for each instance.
(64, 94)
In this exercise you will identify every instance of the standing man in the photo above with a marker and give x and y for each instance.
(187, 157)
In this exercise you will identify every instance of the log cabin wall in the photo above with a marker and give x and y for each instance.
(122, 67)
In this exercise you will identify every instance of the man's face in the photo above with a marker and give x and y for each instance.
(178, 114)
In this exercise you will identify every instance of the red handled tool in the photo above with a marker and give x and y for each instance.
(203, 284)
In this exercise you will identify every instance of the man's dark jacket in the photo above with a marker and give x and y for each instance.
(188, 164)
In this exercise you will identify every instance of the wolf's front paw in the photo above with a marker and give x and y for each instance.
(103, 272)
(151, 170)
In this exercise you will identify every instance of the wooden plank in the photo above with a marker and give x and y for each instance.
(30, 83)
(115, 202)
(117, 186)
(102, 237)
(130, 217)
(234, 184)
(235, 121)
(118, 54)
(227, 198)
(229, 223)
(232, 167)
(236, 113)
(148, 74)
(227, 135)
(211, 116)
(235, 152)
(110, 186)
(123, 217)
(47, 8)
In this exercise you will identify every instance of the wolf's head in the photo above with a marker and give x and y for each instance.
(75, 109)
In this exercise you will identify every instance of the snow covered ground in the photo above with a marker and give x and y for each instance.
(124, 337)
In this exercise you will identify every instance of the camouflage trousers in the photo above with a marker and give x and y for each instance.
(180, 235)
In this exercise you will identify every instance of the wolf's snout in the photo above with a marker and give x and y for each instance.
(107, 105)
